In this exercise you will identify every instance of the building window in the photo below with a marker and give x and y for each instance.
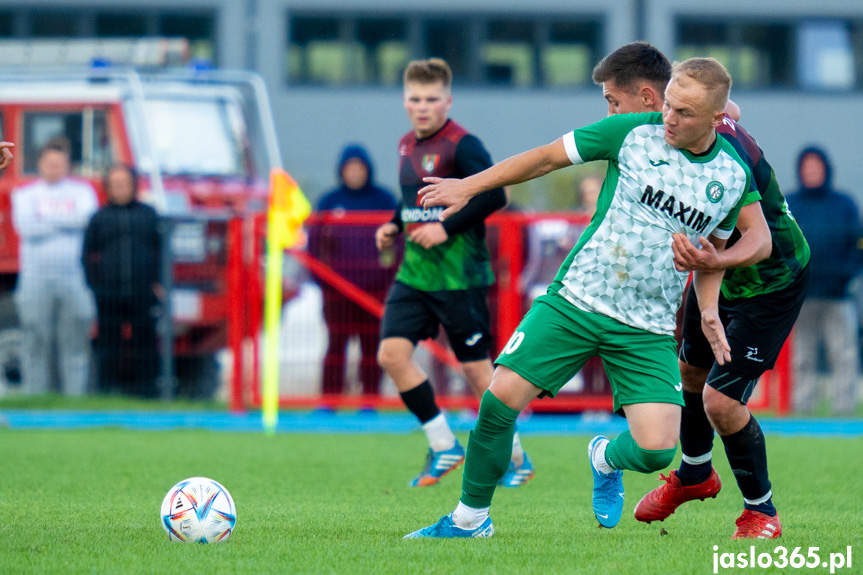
(820, 54)
(385, 41)
(857, 47)
(7, 24)
(499, 51)
(450, 40)
(317, 54)
(508, 54)
(756, 55)
(825, 55)
(339, 51)
(570, 54)
(119, 25)
(54, 24)
(197, 29)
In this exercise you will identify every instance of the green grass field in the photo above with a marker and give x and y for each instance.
(88, 502)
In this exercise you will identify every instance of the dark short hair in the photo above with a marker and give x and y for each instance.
(428, 72)
(133, 173)
(629, 64)
(56, 144)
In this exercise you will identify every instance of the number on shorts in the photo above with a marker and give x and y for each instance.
(514, 342)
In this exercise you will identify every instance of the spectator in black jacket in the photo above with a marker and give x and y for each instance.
(121, 261)
(831, 223)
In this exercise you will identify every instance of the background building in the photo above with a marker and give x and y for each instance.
(522, 70)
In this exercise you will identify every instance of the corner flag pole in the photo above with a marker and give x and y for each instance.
(287, 211)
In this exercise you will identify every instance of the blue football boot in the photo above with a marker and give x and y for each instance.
(517, 475)
(446, 529)
(607, 490)
(438, 464)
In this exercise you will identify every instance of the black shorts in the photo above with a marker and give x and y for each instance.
(416, 315)
(756, 329)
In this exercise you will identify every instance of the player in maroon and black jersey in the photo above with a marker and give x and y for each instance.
(446, 272)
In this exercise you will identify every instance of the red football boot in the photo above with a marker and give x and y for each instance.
(757, 525)
(662, 501)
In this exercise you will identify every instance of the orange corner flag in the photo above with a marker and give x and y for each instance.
(288, 208)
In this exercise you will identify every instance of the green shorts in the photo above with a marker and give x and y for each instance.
(555, 339)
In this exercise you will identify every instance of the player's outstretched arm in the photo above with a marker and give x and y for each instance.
(5, 154)
(754, 245)
(714, 331)
(707, 286)
(526, 166)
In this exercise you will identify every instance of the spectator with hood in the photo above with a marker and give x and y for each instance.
(830, 221)
(349, 249)
(357, 189)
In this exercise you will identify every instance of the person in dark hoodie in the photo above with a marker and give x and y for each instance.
(349, 250)
(121, 263)
(357, 189)
(831, 223)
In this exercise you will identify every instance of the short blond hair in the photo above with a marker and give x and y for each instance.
(428, 72)
(711, 74)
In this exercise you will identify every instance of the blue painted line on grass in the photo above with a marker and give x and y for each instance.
(372, 422)
(813, 427)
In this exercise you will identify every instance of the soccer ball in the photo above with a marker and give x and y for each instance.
(198, 510)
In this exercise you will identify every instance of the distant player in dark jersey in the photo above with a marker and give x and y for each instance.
(758, 304)
(446, 271)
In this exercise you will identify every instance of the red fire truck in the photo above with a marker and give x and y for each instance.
(204, 144)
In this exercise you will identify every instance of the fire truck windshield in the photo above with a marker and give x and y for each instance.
(203, 137)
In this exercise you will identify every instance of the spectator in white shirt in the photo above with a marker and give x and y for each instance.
(55, 306)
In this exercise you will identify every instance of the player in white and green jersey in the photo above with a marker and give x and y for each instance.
(651, 191)
(759, 303)
(616, 294)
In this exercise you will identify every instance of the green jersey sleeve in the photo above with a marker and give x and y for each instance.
(754, 194)
(750, 195)
(603, 139)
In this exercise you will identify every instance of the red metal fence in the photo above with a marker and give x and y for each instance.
(526, 250)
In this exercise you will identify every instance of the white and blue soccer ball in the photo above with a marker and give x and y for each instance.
(198, 510)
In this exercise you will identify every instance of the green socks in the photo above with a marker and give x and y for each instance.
(623, 452)
(489, 450)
